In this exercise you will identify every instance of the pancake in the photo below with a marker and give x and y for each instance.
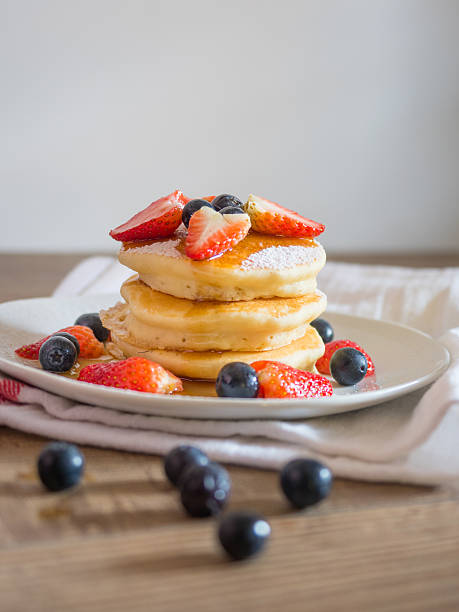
(154, 319)
(302, 353)
(120, 318)
(259, 266)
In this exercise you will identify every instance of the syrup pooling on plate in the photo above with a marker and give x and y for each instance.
(194, 388)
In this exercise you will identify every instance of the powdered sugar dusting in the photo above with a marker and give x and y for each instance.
(282, 257)
(167, 248)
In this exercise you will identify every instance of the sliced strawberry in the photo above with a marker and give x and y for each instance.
(323, 364)
(283, 381)
(136, 373)
(211, 234)
(159, 220)
(90, 347)
(271, 218)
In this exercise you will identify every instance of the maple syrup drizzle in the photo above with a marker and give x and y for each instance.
(233, 258)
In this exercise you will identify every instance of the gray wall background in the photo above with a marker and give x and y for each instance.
(347, 111)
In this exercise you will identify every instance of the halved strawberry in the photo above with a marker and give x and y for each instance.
(136, 373)
(271, 218)
(323, 364)
(211, 234)
(280, 380)
(159, 220)
(90, 347)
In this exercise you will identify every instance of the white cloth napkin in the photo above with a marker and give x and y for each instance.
(412, 439)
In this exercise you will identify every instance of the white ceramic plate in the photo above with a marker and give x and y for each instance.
(405, 359)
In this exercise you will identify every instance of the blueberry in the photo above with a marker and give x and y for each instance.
(60, 466)
(348, 366)
(57, 354)
(224, 200)
(71, 338)
(231, 210)
(243, 534)
(205, 489)
(324, 329)
(190, 208)
(305, 482)
(237, 379)
(92, 320)
(181, 458)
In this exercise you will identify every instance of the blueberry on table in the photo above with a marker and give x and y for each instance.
(181, 458)
(305, 482)
(348, 366)
(191, 207)
(57, 354)
(243, 534)
(237, 379)
(71, 338)
(324, 329)
(92, 320)
(226, 199)
(205, 489)
(60, 466)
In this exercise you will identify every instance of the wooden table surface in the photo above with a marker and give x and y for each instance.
(121, 541)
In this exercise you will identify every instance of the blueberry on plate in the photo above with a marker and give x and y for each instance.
(92, 320)
(237, 379)
(60, 466)
(243, 534)
(57, 354)
(224, 200)
(192, 207)
(348, 366)
(71, 338)
(324, 329)
(305, 482)
(181, 458)
(205, 489)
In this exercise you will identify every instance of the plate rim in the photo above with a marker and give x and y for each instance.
(340, 403)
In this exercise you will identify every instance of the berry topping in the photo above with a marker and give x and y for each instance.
(92, 320)
(243, 534)
(180, 459)
(135, 373)
(324, 329)
(230, 210)
(205, 489)
(211, 234)
(305, 482)
(191, 208)
(323, 364)
(60, 466)
(271, 218)
(237, 379)
(159, 220)
(57, 354)
(90, 347)
(348, 366)
(283, 381)
(224, 200)
(71, 338)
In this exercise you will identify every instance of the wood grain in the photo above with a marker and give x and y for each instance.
(122, 542)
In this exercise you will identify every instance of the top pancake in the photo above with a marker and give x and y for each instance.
(260, 266)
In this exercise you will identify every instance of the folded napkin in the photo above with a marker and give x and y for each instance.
(411, 439)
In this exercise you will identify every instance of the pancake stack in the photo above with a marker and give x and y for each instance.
(253, 302)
